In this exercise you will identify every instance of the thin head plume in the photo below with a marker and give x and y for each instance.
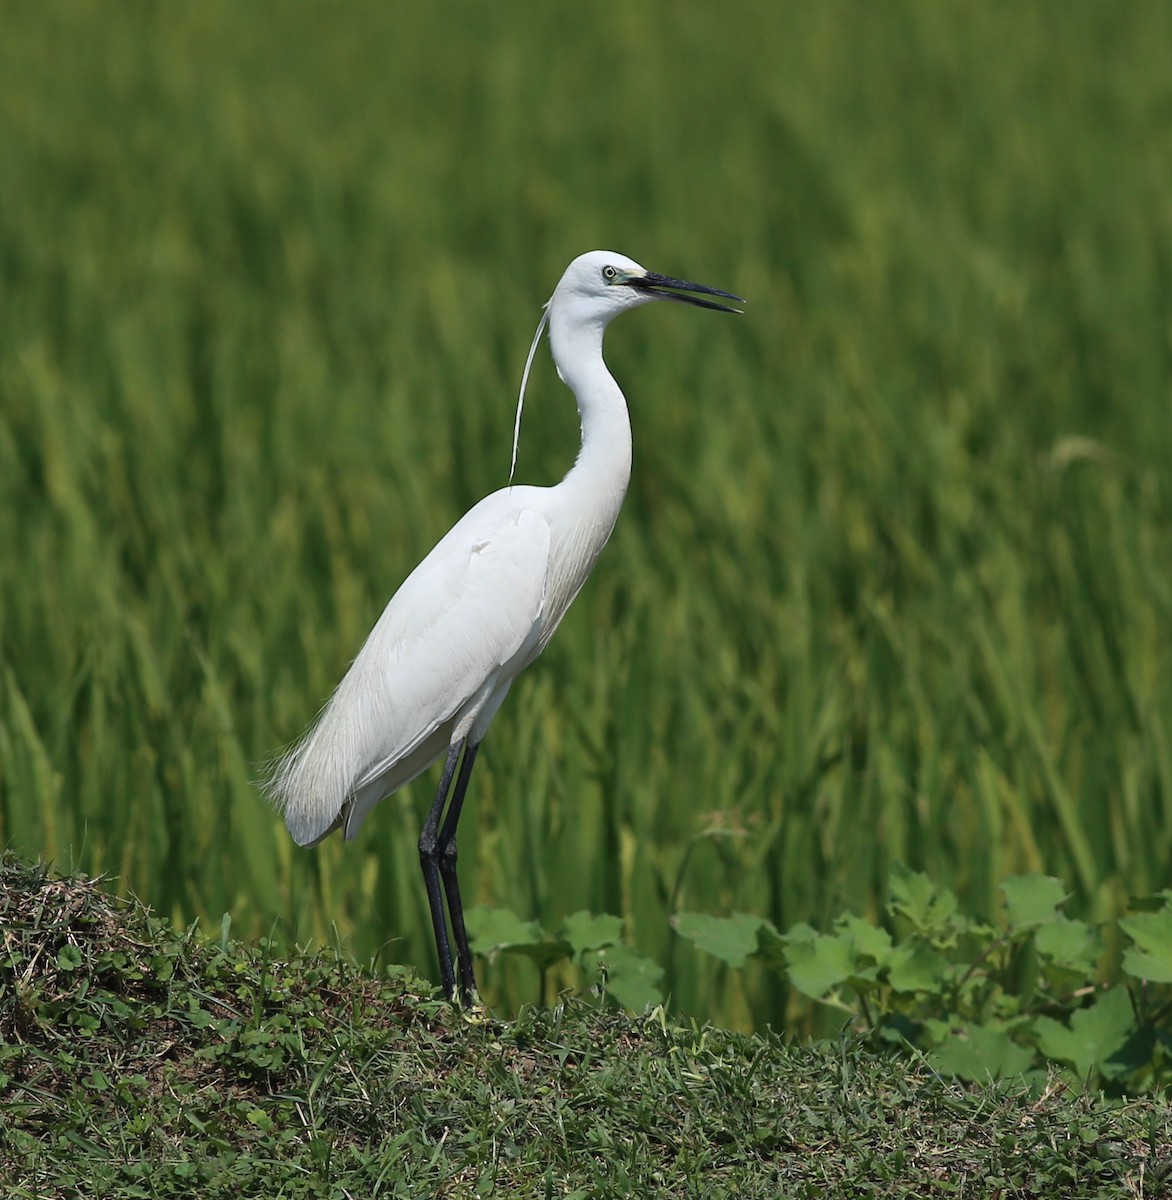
(524, 380)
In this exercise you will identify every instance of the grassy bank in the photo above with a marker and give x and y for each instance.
(136, 1062)
(892, 583)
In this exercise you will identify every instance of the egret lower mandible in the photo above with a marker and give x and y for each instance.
(477, 611)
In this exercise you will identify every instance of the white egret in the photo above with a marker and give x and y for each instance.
(477, 610)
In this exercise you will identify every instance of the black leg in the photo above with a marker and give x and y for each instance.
(447, 869)
(429, 861)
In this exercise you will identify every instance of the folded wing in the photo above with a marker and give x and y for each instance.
(442, 654)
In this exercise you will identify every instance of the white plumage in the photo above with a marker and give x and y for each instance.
(478, 609)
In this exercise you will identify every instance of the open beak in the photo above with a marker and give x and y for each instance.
(667, 288)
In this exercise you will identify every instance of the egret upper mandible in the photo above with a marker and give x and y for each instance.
(477, 610)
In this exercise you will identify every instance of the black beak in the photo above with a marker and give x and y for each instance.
(667, 288)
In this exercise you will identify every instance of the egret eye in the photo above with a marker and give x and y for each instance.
(610, 274)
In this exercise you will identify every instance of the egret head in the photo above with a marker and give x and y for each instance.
(595, 288)
(599, 285)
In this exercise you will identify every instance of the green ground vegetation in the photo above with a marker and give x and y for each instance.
(892, 585)
(137, 1061)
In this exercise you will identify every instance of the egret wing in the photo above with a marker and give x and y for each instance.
(467, 620)
(461, 625)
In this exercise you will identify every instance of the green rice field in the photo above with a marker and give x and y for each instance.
(893, 582)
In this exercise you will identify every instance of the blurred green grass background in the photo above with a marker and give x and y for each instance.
(893, 579)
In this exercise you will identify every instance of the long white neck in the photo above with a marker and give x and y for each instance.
(583, 508)
(598, 480)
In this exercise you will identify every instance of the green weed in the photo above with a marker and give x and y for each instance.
(1017, 996)
(137, 1061)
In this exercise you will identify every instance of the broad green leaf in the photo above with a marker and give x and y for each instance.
(1072, 945)
(590, 931)
(1151, 956)
(981, 1052)
(1150, 903)
(1032, 899)
(68, 958)
(937, 1031)
(631, 979)
(493, 931)
(871, 940)
(916, 898)
(1148, 967)
(914, 966)
(731, 939)
(1094, 1033)
(771, 947)
(162, 967)
(819, 962)
(544, 954)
